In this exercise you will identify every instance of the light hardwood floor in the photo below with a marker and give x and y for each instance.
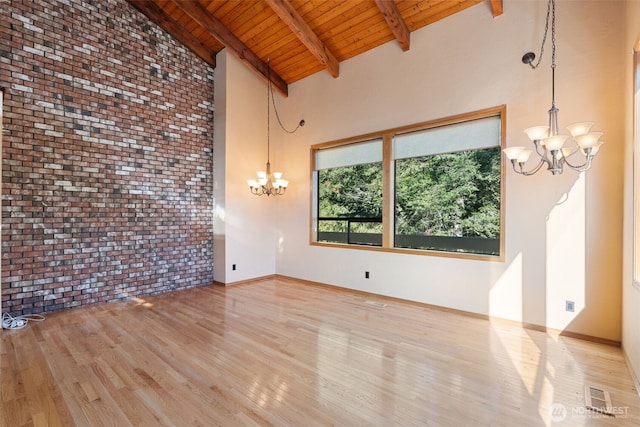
(286, 353)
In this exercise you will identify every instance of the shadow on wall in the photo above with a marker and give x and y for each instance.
(561, 270)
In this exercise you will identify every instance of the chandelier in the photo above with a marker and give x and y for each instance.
(268, 183)
(555, 150)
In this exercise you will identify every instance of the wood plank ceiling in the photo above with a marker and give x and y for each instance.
(297, 38)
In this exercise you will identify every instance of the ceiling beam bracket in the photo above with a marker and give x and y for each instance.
(496, 7)
(396, 23)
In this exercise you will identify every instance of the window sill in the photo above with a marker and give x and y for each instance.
(420, 252)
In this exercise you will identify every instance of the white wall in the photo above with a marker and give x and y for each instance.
(244, 232)
(631, 293)
(219, 169)
(563, 233)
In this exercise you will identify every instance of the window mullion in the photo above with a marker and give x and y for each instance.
(387, 191)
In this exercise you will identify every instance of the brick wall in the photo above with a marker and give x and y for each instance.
(107, 156)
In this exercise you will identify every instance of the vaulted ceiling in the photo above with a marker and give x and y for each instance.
(297, 38)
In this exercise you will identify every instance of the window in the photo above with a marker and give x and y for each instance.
(433, 188)
(447, 188)
(350, 193)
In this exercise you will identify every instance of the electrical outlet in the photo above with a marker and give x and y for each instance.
(570, 306)
(233, 267)
(366, 274)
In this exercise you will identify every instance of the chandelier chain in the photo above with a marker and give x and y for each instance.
(268, 114)
(553, 56)
(553, 32)
(273, 101)
(551, 12)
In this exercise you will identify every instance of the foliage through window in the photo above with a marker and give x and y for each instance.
(350, 194)
(444, 182)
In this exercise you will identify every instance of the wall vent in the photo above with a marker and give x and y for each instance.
(598, 400)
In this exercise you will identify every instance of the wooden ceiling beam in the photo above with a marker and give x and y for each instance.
(306, 35)
(496, 7)
(211, 24)
(395, 22)
(164, 21)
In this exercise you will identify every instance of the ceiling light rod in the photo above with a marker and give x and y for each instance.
(270, 184)
(551, 146)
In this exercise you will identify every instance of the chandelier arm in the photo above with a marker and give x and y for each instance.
(532, 171)
(573, 153)
(580, 168)
(544, 154)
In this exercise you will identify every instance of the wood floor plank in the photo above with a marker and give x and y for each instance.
(280, 352)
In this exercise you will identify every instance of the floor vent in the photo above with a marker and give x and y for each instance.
(376, 304)
(598, 400)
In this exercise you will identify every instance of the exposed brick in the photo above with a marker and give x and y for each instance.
(107, 153)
